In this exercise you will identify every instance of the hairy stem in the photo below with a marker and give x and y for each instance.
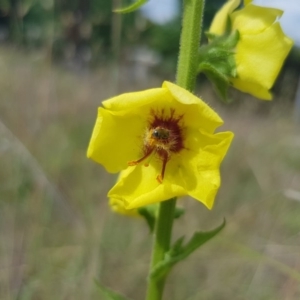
(162, 239)
(189, 43)
(186, 78)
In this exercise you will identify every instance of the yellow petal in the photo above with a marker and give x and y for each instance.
(119, 130)
(194, 172)
(201, 169)
(198, 113)
(118, 207)
(170, 96)
(259, 59)
(136, 100)
(255, 89)
(261, 49)
(116, 139)
(254, 19)
(119, 137)
(219, 22)
(138, 186)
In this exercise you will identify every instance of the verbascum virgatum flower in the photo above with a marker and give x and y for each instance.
(261, 49)
(163, 142)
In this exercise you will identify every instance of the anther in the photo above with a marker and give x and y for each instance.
(136, 162)
(160, 177)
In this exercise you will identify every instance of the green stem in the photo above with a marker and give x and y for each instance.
(190, 43)
(186, 78)
(162, 239)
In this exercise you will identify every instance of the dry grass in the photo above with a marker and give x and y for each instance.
(57, 234)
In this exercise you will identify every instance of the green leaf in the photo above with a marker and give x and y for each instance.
(221, 56)
(108, 293)
(134, 6)
(220, 83)
(179, 252)
(219, 80)
(210, 36)
(217, 62)
(221, 88)
(149, 213)
(207, 68)
(228, 25)
(200, 238)
(179, 211)
(231, 40)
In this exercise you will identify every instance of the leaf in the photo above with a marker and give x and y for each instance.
(231, 41)
(220, 84)
(210, 36)
(200, 238)
(179, 211)
(149, 216)
(134, 6)
(179, 252)
(108, 293)
(217, 61)
(218, 79)
(149, 213)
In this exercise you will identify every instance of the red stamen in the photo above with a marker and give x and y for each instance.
(135, 162)
(165, 157)
(163, 138)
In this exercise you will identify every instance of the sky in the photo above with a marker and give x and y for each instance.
(162, 11)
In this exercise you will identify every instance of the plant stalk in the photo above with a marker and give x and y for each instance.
(162, 239)
(186, 78)
(190, 43)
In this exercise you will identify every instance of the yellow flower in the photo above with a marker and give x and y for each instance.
(163, 142)
(261, 49)
(117, 206)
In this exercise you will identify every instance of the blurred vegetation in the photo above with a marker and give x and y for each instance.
(86, 33)
(84, 28)
(57, 234)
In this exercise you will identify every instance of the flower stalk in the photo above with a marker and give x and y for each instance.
(186, 78)
(162, 239)
(190, 43)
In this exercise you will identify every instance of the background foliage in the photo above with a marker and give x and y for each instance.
(58, 61)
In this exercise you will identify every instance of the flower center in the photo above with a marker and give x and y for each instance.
(163, 138)
(160, 133)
